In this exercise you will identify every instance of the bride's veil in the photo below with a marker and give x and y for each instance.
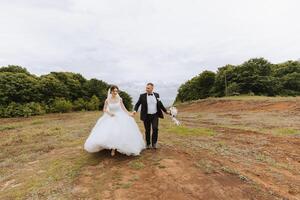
(108, 94)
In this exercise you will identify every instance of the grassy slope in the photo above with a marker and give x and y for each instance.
(42, 157)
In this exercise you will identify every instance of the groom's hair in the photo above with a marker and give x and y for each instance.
(150, 84)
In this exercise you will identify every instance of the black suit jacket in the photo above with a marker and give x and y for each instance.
(144, 110)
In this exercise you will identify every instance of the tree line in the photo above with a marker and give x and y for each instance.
(25, 94)
(257, 76)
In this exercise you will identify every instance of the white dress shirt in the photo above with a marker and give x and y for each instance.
(152, 104)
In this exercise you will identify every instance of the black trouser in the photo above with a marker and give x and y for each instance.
(151, 119)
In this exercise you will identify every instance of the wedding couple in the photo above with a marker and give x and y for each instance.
(117, 129)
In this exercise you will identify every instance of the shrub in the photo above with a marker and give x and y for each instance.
(61, 105)
(37, 108)
(94, 103)
(21, 110)
(80, 104)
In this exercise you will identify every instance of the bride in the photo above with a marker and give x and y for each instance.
(116, 129)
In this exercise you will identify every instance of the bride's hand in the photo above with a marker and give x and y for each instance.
(131, 114)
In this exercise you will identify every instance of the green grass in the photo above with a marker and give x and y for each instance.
(60, 170)
(28, 160)
(136, 164)
(187, 131)
(36, 122)
(42, 157)
(286, 131)
(8, 127)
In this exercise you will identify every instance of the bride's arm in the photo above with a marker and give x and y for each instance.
(124, 108)
(105, 108)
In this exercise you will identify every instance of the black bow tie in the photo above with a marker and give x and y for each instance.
(150, 94)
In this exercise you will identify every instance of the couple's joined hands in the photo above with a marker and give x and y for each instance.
(132, 113)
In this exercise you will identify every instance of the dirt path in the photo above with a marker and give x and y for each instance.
(165, 173)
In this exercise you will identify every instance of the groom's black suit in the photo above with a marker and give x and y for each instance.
(150, 119)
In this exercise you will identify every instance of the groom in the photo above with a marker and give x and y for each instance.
(151, 110)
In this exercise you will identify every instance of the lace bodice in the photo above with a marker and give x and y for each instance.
(114, 107)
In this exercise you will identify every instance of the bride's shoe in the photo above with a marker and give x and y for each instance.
(113, 152)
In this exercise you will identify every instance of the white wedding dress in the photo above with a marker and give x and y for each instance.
(118, 132)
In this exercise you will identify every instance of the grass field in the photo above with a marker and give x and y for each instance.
(228, 148)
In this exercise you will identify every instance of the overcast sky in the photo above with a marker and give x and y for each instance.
(132, 42)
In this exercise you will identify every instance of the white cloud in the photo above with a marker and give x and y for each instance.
(133, 42)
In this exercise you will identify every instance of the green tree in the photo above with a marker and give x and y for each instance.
(225, 73)
(73, 82)
(14, 69)
(24, 94)
(127, 100)
(98, 88)
(257, 76)
(50, 87)
(18, 87)
(198, 87)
